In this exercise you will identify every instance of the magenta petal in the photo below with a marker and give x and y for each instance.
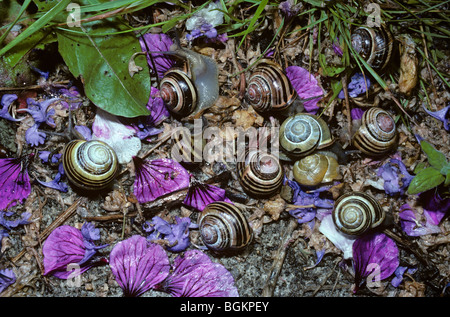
(195, 275)
(158, 43)
(158, 177)
(200, 195)
(138, 265)
(14, 182)
(374, 256)
(306, 86)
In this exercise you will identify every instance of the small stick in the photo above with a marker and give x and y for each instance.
(347, 106)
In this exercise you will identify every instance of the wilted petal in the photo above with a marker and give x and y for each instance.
(200, 195)
(341, 241)
(195, 275)
(413, 225)
(34, 137)
(7, 277)
(10, 224)
(435, 207)
(375, 255)
(138, 265)
(158, 177)
(176, 234)
(6, 101)
(306, 86)
(158, 43)
(441, 115)
(356, 86)
(14, 182)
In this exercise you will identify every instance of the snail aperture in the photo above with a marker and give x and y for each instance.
(269, 88)
(355, 213)
(90, 165)
(223, 227)
(377, 134)
(260, 174)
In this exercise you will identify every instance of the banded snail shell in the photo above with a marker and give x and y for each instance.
(178, 92)
(377, 134)
(90, 165)
(315, 169)
(355, 213)
(223, 227)
(374, 45)
(302, 134)
(260, 174)
(269, 88)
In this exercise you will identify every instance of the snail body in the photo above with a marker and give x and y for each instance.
(302, 134)
(355, 213)
(377, 134)
(223, 227)
(260, 174)
(90, 165)
(315, 169)
(192, 90)
(374, 45)
(269, 88)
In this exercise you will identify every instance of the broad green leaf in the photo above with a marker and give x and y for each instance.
(103, 67)
(426, 179)
(435, 158)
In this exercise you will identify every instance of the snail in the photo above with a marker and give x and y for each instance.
(377, 134)
(192, 89)
(355, 213)
(302, 134)
(316, 168)
(374, 45)
(90, 165)
(223, 227)
(269, 88)
(260, 174)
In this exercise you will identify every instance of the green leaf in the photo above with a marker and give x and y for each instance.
(103, 67)
(435, 158)
(426, 179)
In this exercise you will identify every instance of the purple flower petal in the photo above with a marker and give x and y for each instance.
(55, 183)
(441, 115)
(356, 87)
(14, 182)
(7, 277)
(138, 265)
(39, 112)
(158, 177)
(391, 173)
(195, 275)
(158, 43)
(71, 97)
(176, 234)
(374, 256)
(200, 195)
(356, 113)
(434, 206)
(412, 225)
(34, 137)
(10, 224)
(6, 101)
(306, 86)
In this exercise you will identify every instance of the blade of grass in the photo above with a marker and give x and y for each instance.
(255, 18)
(22, 10)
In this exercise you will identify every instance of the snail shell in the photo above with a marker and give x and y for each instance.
(302, 134)
(260, 174)
(223, 227)
(377, 134)
(178, 92)
(90, 165)
(269, 88)
(374, 45)
(315, 169)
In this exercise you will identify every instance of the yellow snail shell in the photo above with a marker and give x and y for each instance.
(315, 169)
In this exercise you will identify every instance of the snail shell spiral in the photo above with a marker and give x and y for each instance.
(260, 174)
(223, 227)
(374, 45)
(269, 88)
(302, 134)
(315, 169)
(356, 212)
(377, 134)
(179, 92)
(90, 165)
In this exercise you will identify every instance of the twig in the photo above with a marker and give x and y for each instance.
(277, 265)
(347, 106)
(32, 87)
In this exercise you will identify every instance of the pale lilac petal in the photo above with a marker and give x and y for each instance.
(200, 195)
(14, 182)
(413, 226)
(306, 86)
(158, 177)
(195, 275)
(340, 241)
(176, 234)
(138, 265)
(34, 137)
(374, 254)
(7, 277)
(158, 43)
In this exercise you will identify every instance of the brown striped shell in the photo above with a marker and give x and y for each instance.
(355, 213)
(374, 45)
(223, 227)
(303, 133)
(377, 134)
(179, 92)
(269, 88)
(260, 174)
(90, 165)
